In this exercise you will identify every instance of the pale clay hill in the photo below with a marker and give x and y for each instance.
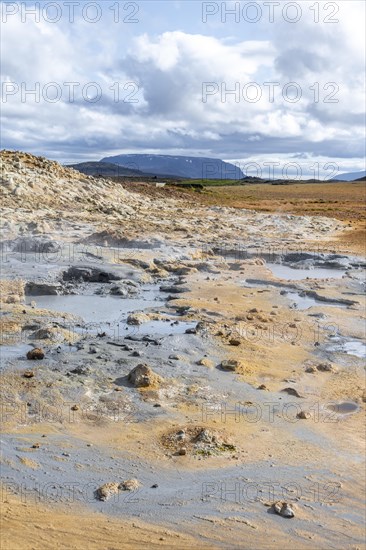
(39, 191)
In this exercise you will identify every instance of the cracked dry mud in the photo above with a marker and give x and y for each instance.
(247, 333)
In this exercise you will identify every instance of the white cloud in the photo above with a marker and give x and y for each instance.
(170, 68)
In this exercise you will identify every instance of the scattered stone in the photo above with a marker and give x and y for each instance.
(28, 374)
(181, 435)
(107, 490)
(137, 318)
(36, 354)
(137, 353)
(234, 342)
(205, 362)
(310, 369)
(43, 289)
(304, 415)
(325, 367)
(230, 365)
(119, 290)
(42, 334)
(283, 509)
(130, 485)
(81, 370)
(292, 391)
(36, 446)
(143, 376)
(88, 274)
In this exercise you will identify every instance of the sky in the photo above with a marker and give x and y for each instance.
(272, 85)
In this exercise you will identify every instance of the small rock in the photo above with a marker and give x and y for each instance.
(205, 362)
(137, 353)
(310, 369)
(137, 319)
(75, 408)
(181, 435)
(262, 387)
(182, 451)
(143, 376)
(292, 391)
(82, 371)
(155, 486)
(230, 364)
(283, 509)
(325, 367)
(28, 374)
(234, 342)
(304, 415)
(130, 485)
(35, 354)
(107, 490)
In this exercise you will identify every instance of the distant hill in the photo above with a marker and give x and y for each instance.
(180, 166)
(351, 176)
(106, 169)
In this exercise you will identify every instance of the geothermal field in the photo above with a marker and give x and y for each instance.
(179, 368)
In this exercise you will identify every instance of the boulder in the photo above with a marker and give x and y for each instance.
(107, 490)
(205, 362)
(303, 415)
(137, 318)
(143, 376)
(90, 275)
(292, 391)
(283, 509)
(130, 485)
(230, 364)
(42, 289)
(35, 354)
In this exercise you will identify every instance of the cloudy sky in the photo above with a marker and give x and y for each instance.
(261, 82)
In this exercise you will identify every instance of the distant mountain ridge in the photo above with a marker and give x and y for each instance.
(180, 166)
(350, 176)
(105, 169)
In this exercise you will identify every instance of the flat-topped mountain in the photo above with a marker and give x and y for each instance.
(180, 166)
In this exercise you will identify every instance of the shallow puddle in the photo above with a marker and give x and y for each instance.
(302, 302)
(355, 347)
(100, 310)
(18, 351)
(297, 274)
